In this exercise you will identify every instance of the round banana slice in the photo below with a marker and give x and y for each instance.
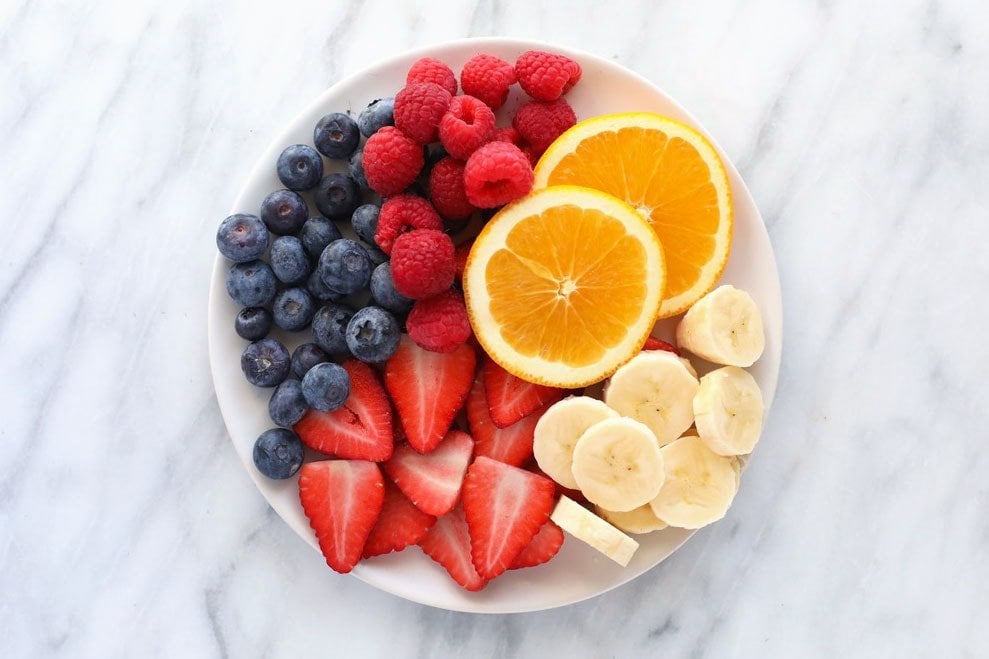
(700, 485)
(639, 520)
(736, 465)
(559, 428)
(656, 389)
(723, 327)
(728, 411)
(617, 464)
(584, 525)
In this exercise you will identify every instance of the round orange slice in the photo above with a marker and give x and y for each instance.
(564, 285)
(667, 171)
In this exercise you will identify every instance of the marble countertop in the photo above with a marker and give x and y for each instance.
(128, 524)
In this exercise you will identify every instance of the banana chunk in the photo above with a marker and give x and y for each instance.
(558, 430)
(588, 527)
(639, 520)
(723, 327)
(617, 464)
(699, 487)
(728, 411)
(657, 389)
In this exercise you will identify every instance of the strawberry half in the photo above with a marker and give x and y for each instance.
(432, 482)
(448, 543)
(428, 389)
(511, 445)
(544, 546)
(399, 525)
(511, 398)
(342, 499)
(504, 506)
(652, 343)
(361, 429)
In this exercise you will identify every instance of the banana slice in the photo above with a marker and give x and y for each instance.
(690, 367)
(723, 327)
(699, 487)
(728, 411)
(559, 428)
(656, 389)
(588, 527)
(736, 466)
(617, 464)
(639, 520)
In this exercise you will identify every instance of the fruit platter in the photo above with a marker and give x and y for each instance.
(495, 326)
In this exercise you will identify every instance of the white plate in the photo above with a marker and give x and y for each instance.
(578, 572)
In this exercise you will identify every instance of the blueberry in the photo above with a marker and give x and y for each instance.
(345, 266)
(377, 115)
(336, 136)
(242, 237)
(265, 363)
(289, 260)
(305, 357)
(326, 386)
(293, 309)
(278, 453)
(336, 196)
(253, 323)
(319, 290)
(329, 328)
(383, 291)
(376, 255)
(299, 167)
(372, 335)
(356, 169)
(287, 404)
(251, 284)
(284, 212)
(435, 153)
(365, 221)
(317, 233)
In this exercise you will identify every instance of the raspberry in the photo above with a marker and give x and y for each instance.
(446, 190)
(460, 255)
(488, 78)
(467, 124)
(439, 323)
(531, 153)
(507, 134)
(496, 174)
(540, 123)
(430, 69)
(419, 108)
(422, 263)
(403, 213)
(546, 76)
(391, 161)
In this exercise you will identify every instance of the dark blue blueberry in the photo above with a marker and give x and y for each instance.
(289, 260)
(434, 153)
(376, 255)
(365, 221)
(293, 309)
(377, 115)
(372, 335)
(336, 136)
(278, 453)
(326, 386)
(299, 167)
(329, 328)
(383, 291)
(337, 196)
(305, 357)
(242, 238)
(319, 290)
(252, 284)
(356, 169)
(253, 323)
(284, 212)
(287, 404)
(265, 363)
(317, 233)
(345, 266)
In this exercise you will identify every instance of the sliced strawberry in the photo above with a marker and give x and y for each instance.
(359, 430)
(504, 507)
(448, 543)
(511, 445)
(428, 389)
(399, 525)
(652, 343)
(342, 499)
(544, 546)
(511, 398)
(432, 482)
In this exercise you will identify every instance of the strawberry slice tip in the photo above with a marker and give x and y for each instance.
(511, 398)
(511, 445)
(544, 546)
(448, 543)
(399, 525)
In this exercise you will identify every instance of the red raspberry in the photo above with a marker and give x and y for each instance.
(507, 134)
(531, 153)
(488, 78)
(422, 263)
(546, 76)
(496, 174)
(460, 255)
(392, 161)
(540, 123)
(467, 124)
(430, 69)
(403, 213)
(439, 323)
(446, 190)
(419, 108)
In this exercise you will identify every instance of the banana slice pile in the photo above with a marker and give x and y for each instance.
(662, 448)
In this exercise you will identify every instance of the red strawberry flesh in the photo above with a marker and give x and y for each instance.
(511, 398)
(544, 546)
(511, 445)
(432, 482)
(448, 543)
(399, 525)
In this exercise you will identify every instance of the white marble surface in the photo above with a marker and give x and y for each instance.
(129, 527)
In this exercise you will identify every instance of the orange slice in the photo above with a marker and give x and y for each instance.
(667, 171)
(564, 285)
